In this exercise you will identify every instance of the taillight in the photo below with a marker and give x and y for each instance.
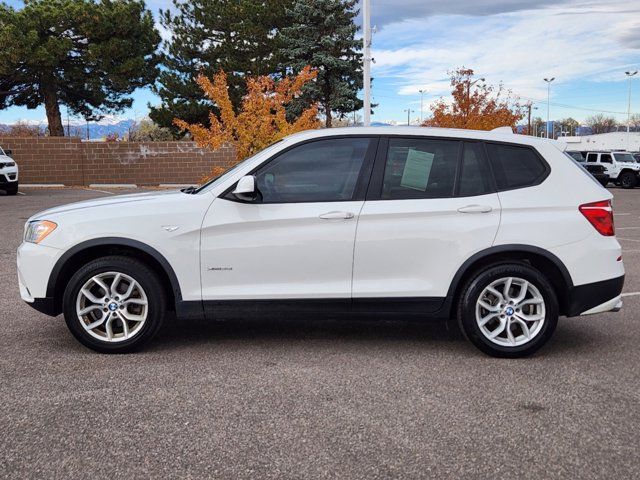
(600, 215)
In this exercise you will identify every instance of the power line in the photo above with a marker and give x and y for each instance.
(564, 105)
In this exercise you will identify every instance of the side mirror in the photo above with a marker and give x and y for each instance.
(8, 153)
(246, 188)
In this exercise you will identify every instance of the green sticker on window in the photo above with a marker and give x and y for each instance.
(417, 169)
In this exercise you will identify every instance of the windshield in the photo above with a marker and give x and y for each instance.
(624, 157)
(214, 182)
(1, 151)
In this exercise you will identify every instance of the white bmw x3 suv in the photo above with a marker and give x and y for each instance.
(503, 232)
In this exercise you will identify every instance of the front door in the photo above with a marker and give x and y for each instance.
(296, 241)
(431, 204)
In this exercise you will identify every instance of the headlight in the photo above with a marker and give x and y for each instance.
(38, 230)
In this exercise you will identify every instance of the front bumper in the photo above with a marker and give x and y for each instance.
(35, 263)
(4, 184)
(8, 177)
(595, 297)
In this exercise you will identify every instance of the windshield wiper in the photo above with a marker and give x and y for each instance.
(189, 190)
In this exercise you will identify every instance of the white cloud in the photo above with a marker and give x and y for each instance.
(390, 11)
(583, 41)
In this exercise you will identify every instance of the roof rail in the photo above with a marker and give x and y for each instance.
(503, 130)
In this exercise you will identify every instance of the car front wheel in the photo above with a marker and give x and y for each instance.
(114, 304)
(628, 180)
(508, 310)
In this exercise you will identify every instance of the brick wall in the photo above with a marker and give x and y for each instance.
(72, 162)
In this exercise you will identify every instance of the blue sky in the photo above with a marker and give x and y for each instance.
(587, 45)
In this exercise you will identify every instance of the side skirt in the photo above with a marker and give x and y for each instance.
(369, 308)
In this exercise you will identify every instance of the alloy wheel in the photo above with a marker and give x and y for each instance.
(510, 312)
(112, 307)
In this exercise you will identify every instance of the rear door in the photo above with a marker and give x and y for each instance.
(430, 206)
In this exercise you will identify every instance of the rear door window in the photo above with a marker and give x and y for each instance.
(515, 166)
(475, 177)
(420, 168)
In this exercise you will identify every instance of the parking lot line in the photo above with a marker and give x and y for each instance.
(629, 239)
(96, 190)
(630, 294)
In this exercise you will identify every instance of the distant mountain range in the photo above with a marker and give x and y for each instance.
(96, 130)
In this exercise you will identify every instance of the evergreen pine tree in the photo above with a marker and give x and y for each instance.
(321, 33)
(85, 54)
(206, 36)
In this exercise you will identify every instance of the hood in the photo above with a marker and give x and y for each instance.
(115, 200)
(629, 164)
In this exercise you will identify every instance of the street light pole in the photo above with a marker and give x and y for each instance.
(629, 74)
(530, 107)
(422, 92)
(409, 112)
(548, 80)
(366, 66)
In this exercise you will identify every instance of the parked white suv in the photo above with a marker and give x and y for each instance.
(8, 173)
(622, 168)
(499, 231)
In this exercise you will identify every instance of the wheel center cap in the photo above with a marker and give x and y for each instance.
(509, 311)
(113, 306)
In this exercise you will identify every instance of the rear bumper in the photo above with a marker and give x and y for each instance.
(44, 305)
(595, 297)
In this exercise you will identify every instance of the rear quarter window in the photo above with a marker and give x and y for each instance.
(515, 166)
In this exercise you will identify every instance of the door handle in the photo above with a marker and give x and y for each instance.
(336, 216)
(475, 209)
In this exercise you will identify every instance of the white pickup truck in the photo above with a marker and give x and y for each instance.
(622, 168)
(8, 173)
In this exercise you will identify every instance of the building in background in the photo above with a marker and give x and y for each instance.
(603, 141)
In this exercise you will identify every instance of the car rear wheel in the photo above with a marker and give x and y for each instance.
(628, 180)
(114, 304)
(508, 310)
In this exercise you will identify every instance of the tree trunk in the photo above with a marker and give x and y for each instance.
(327, 112)
(54, 119)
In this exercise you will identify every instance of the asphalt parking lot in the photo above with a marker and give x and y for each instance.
(302, 399)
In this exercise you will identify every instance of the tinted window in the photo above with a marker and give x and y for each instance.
(417, 168)
(624, 157)
(321, 171)
(606, 158)
(592, 157)
(474, 176)
(576, 156)
(514, 166)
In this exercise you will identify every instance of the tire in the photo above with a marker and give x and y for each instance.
(628, 180)
(12, 190)
(471, 314)
(139, 296)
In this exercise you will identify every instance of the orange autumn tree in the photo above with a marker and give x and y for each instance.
(475, 106)
(261, 119)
